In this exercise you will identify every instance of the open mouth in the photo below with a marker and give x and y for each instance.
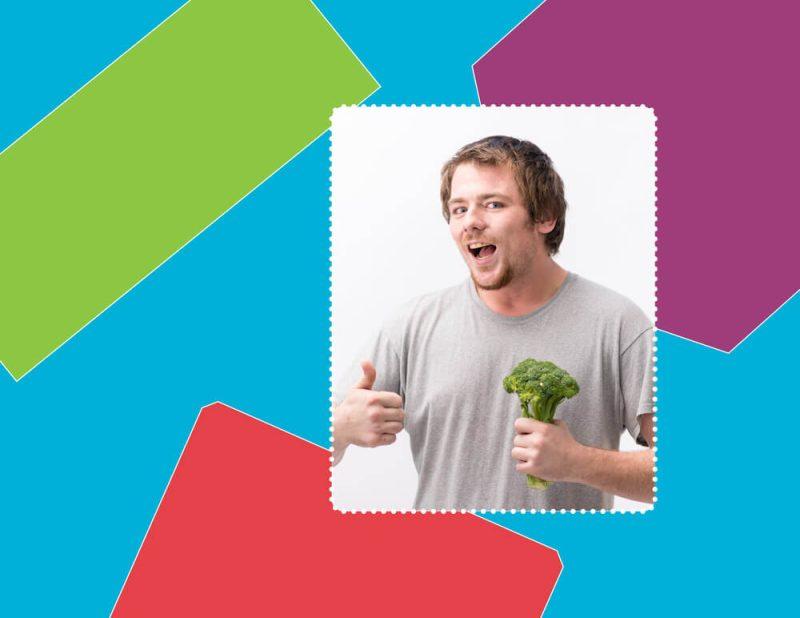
(481, 250)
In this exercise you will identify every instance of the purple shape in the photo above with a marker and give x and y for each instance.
(719, 77)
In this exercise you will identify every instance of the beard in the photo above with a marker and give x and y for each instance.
(503, 280)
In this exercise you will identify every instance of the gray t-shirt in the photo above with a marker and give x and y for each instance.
(447, 353)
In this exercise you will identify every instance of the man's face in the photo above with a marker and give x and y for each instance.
(490, 225)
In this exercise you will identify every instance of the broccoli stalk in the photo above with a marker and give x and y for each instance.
(540, 386)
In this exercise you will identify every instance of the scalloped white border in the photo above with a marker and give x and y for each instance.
(489, 511)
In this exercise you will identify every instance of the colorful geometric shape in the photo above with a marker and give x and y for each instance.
(152, 151)
(245, 527)
(727, 127)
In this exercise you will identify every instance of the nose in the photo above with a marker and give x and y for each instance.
(473, 220)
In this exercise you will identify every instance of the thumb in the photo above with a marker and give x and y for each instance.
(368, 378)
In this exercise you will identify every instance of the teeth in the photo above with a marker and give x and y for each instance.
(478, 245)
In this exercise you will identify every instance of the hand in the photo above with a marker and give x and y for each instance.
(544, 450)
(366, 417)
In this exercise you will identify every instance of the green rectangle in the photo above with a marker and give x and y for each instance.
(151, 151)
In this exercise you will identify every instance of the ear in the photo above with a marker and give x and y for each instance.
(545, 227)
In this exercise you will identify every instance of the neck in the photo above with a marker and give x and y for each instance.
(527, 292)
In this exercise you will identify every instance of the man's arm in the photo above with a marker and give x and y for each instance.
(550, 452)
(626, 474)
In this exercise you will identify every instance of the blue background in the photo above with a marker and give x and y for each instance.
(89, 438)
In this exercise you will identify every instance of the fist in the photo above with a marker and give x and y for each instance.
(544, 450)
(367, 417)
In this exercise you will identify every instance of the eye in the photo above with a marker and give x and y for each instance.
(494, 205)
(458, 210)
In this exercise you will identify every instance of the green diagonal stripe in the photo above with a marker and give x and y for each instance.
(153, 150)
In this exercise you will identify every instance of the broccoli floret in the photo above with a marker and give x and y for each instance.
(540, 386)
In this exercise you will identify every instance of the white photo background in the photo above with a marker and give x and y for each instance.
(390, 242)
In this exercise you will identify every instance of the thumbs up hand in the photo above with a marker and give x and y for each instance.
(366, 417)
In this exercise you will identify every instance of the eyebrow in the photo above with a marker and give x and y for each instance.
(482, 197)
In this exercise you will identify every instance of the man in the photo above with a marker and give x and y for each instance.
(437, 368)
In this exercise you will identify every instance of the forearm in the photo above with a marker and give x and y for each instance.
(627, 474)
(340, 443)
(339, 447)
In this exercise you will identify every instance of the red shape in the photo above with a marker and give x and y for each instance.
(246, 528)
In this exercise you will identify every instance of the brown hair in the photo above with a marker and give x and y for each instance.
(539, 183)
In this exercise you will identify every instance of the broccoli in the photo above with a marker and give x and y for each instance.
(541, 386)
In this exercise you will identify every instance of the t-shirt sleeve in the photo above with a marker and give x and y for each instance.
(636, 381)
(384, 356)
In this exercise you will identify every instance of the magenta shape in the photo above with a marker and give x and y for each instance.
(722, 79)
